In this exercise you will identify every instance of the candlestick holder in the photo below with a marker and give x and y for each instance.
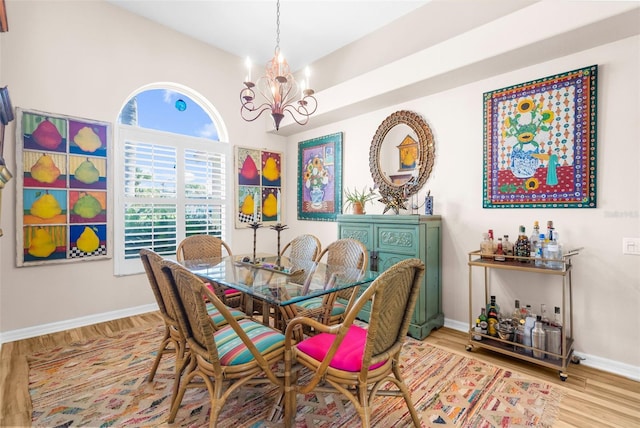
(255, 226)
(279, 228)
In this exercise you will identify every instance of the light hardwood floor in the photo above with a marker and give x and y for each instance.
(593, 398)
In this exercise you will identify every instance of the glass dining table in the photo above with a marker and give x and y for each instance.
(279, 283)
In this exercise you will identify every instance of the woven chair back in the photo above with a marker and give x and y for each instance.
(188, 296)
(349, 253)
(146, 256)
(201, 247)
(303, 247)
(346, 252)
(161, 288)
(393, 297)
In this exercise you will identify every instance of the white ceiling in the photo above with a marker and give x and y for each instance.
(248, 28)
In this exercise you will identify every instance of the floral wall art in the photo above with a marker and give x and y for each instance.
(540, 143)
(62, 188)
(259, 191)
(320, 178)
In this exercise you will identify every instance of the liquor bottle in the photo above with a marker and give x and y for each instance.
(543, 315)
(507, 246)
(540, 252)
(522, 247)
(486, 247)
(557, 319)
(535, 237)
(517, 313)
(529, 311)
(492, 300)
(524, 312)
(538, 339)
(483, 321)
(553, 248)
(499, 255)
(493, 242)
(477, 330)
(492, 317)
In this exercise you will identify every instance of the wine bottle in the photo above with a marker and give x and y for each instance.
(522, 247)
(535, 237)
(492, 317)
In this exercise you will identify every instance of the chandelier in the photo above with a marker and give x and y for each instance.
(281, 93)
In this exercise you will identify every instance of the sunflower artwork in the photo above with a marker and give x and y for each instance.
(540, 143)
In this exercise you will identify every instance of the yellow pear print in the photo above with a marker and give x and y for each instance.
(87, 140)
(46, 206)
(270, 170)
(45, 170)
(270, 208)
(247, 205)
(41, 244)
(88, 240)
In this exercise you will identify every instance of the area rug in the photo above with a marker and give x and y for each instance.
(103, 383)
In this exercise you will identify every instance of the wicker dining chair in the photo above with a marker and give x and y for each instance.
(203, 246)
(173, 340)
(341, 253)
(240, 353)
(352, 360)
(303, 247)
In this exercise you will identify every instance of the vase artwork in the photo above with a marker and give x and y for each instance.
(540, 143)
(316, 178)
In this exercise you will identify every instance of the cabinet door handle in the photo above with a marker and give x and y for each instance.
(374, 260)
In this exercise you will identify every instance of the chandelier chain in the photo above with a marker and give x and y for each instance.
(280, 92)
(277, 27)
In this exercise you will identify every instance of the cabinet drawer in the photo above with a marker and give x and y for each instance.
(397, 239)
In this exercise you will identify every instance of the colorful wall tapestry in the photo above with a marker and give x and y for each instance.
(540, 143)
(62, 188)
(320, 178)
(259, 190)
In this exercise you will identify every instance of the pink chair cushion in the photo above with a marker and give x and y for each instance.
(227, 291)
(349, 355)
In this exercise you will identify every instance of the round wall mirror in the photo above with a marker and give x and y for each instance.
(401, 157)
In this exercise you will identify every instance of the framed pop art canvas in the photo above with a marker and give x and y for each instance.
(62, 188)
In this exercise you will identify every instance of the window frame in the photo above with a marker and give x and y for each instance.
(182, 143)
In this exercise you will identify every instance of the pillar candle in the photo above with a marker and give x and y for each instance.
(255, 207)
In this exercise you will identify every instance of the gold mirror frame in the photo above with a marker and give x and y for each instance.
(395, 196)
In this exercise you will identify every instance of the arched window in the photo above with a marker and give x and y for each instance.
(171, 160)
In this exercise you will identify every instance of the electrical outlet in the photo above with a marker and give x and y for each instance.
(631, 246)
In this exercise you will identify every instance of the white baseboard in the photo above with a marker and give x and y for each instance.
(604, 364)
(25, 333)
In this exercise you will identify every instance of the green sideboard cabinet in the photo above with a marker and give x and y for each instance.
(392, 238)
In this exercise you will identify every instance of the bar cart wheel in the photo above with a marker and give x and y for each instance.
(563, 376)
(469, 347)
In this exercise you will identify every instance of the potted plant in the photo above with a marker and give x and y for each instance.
(357, 199)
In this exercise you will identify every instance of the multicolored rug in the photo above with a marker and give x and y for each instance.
(103, 383)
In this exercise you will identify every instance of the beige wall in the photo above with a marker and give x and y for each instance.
(126, 53)
(85, 59)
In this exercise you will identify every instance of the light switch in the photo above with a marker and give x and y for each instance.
(631, 246)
